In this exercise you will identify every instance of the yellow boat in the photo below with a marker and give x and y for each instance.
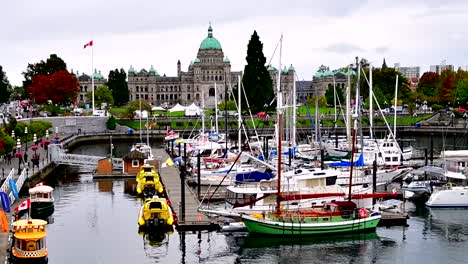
(156, 213)
(28, 244)
(148, 183)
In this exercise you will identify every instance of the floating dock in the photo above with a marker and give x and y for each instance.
(191, 219)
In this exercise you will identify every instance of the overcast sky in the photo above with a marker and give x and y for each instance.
(144, 33)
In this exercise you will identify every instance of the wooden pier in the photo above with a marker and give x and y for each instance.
(191, 219)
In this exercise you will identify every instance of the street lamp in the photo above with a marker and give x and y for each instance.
(26, 133)
(19, 154)
(35, 158)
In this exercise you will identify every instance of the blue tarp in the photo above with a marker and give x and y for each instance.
(359, 162)
(274, 152)
(253, 176)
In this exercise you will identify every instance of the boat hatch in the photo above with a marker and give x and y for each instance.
(155, 205)
(147, 169)
(149, 178)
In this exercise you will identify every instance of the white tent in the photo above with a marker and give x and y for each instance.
(192, 110)
(158, 108)
(177, 108)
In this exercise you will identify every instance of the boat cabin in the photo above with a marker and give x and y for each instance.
(133, 161)
(41, 194)
(29, 240)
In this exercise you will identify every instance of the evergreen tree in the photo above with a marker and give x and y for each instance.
(384, 65)
(117, 83)
(4, 87)
(257, 81)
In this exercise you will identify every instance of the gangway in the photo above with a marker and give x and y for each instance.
(58, 156)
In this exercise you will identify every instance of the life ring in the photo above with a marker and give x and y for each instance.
(363, 213)
(31, 246)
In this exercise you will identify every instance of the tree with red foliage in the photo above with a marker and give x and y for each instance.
(60, 87)
(428, 83)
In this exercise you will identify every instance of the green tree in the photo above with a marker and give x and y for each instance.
(330, 95)
(231, 105)
(111, 123)
(135, 105)
(117, 83)
(52, 65)
(5, 87)
(102, 94)
(257, 81)
(384, 80)
(17, 93)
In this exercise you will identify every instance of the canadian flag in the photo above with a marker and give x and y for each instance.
(24, 205)
(88, 44)
(39, 184)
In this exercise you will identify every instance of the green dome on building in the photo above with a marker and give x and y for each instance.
(271, 68)
(210, 42)
(153, 71)
(226, 60)
(197, 60)
(131, 70)
(291, 68)
(97, 75)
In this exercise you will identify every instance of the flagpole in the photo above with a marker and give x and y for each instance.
(92, 75)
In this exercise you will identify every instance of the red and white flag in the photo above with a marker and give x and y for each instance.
(88, 44)
(24, 205)
(39, 184)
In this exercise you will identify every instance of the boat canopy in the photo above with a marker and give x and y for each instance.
(41, 189)
(442, 172)
(359, 162)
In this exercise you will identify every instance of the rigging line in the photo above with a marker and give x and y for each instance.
(227, 173)
(243, 127)
(274, 51)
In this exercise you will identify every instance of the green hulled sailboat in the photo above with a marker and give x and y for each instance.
(333, 218)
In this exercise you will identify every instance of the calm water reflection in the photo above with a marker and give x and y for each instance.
(96, 222)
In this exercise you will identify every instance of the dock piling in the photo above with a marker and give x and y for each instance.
(374, 178)
(432, 149)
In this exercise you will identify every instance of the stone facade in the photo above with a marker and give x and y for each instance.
(324, 80)
(211, 67)
(86, 84)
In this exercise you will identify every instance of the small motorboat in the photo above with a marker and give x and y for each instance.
(148, 183)
(156, 214)
(42, 202)
(27, 244)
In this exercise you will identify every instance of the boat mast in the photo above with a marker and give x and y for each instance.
(141, 137)
(279, 115)
(353, 145)
(395, 110)
(239, 116)
(203, 112)
(358, 103)
(348, 108)
(371, 103)
(293, 134)
(216, 109)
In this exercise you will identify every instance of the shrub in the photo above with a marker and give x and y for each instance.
(436, 107)
(111, 123)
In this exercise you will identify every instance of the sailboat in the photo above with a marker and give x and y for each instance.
(335, 217)
(141, 146)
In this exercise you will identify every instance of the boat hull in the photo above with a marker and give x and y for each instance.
(42, 210)
(16, 260)
(267, 227)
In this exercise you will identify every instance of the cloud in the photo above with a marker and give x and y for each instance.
(343, 48)
(381, 49)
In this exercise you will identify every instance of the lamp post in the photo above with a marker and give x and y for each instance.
(26, 133)
(35, 158)
(19, 154)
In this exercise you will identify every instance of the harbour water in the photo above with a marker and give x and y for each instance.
(95, 221)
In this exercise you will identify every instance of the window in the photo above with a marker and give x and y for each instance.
(86, 89)
(157, 97)
(197, 96)
(137, 88)
(211, 92)
(135, 163)
(175, 96)
(170, 97)
(188, 96)
(81, 88)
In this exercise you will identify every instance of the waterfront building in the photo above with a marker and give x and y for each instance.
(408, 72)
(86, 86)
(210, 67)
(324, 79)
(304, 90)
